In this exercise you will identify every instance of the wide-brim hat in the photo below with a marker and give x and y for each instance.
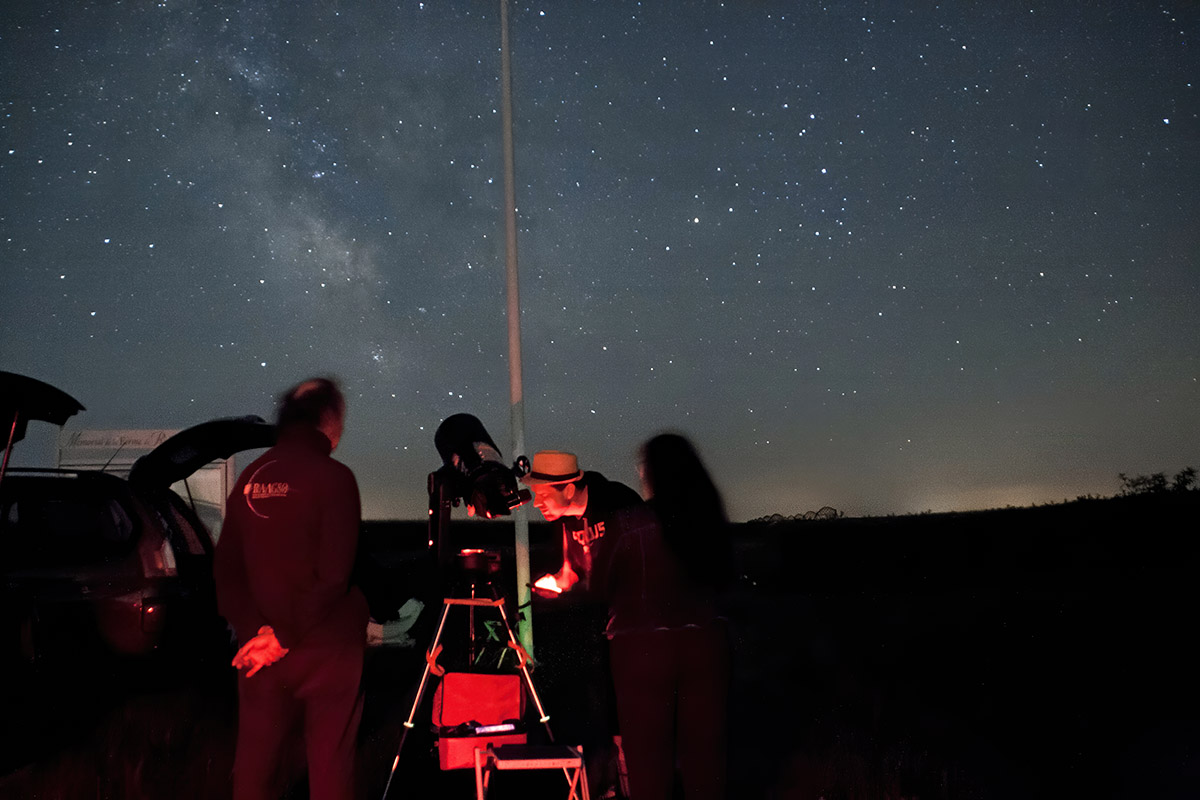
(553, 466)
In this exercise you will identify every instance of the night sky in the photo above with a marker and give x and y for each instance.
(882, 258)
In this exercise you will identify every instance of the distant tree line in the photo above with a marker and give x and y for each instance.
(1131, 485)
(825, 512)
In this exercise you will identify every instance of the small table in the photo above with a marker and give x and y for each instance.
(527, 756)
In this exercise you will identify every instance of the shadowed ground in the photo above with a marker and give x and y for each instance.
(1020, 653)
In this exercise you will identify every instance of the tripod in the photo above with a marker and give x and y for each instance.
(471, 603)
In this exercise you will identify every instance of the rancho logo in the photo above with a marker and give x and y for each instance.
(262, 491)
(256, 491)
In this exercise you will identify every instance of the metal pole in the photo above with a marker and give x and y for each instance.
(515, 391)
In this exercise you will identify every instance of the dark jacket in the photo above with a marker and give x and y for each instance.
(288, 545)
(583, 535)
(646, 585)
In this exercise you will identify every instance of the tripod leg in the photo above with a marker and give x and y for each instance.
(408, 724)
(543, 717)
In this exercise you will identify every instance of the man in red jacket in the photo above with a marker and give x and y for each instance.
(282, 570)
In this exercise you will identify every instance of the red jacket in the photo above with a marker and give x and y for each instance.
(288, 544)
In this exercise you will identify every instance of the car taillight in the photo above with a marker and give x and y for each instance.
(160, 561)
(152, 616)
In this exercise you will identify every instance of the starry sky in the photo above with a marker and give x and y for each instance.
(885, 257)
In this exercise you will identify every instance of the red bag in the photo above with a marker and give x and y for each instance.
(477, 697)
(470, 697)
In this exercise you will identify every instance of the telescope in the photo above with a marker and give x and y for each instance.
(472, 472)
(475, 710)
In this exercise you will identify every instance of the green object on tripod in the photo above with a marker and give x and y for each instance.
(495, 632)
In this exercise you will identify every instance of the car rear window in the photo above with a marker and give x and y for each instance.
(63, 520)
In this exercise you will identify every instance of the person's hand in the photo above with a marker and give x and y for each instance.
(261, 651)
(547, 586)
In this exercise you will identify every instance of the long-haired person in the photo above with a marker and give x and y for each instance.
(668, 643)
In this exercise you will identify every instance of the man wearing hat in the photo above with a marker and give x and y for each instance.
(587, 504)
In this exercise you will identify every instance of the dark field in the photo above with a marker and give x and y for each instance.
(1040, 652)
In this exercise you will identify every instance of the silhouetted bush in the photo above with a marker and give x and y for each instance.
(1184, 481)
(824, 512)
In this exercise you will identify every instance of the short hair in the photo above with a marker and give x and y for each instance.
(308, 402)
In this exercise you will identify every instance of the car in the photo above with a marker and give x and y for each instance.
(99, 563)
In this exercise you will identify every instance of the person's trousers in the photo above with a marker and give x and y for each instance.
(578, 692)
(319, 688)
(672, 690)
